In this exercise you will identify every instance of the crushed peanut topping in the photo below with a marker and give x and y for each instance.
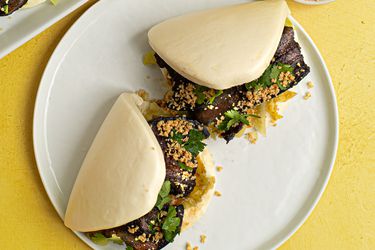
(180, 154)
(219, 168)
(186, 175)
(310, 85)
(217, 193)
(143, 94)
(181, 185)
(133, 229)
(142, 237)
(252, 137)
(179, 125)
(203, 238)
(188, 246)
(307, 95)
(157, 236)
(286, 78)
(258, 96)
(184, 94)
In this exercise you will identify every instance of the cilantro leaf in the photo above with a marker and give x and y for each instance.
(266, 79)
(129, 248)
(218, 93)
(184, 167)
(165, 189)
(100, 239)
(171, 224)
(195, 145)
(177, 137)
(232, 117)
(163, 197)
(162, 201)
(201, 97)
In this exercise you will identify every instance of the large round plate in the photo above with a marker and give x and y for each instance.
(268, 189)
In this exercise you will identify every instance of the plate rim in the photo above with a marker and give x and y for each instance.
(39, 117)
(39, 29)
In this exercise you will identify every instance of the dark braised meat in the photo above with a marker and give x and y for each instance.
(8, 7)
(206, 113)
(146, 232)
(229, 134)
(182, 182)
(289, 52)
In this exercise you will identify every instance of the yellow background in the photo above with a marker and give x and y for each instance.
(344, 218)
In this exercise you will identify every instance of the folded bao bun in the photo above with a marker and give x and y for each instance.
(224, 47)
(123, 171)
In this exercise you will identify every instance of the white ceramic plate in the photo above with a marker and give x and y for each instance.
(268, 189)
(24, 24)
(312, 2)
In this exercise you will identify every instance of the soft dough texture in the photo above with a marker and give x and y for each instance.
(224, 47)
(122, 173)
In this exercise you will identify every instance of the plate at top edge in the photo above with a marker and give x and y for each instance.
(24, 24)
(268, 189)
(312, 2)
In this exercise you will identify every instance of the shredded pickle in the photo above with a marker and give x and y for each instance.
(149, 58)
(203, 184)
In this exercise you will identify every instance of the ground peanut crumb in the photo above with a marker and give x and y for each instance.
(219, 168)
(310, 85)
(307, 95)
(143, 94)
(217, 193)
(188, 246)
(252, 137)
(203, 238)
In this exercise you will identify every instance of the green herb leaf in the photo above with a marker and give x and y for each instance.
(255, 116)
(184, 167)
(163, 197)
(177, 137)
(218, 93)
(129, 248)
(201, 97)
(195, 145)
(54, 2)
(100, 239)
(232, 117)
(162, 201)
(272, 72)
(165, 189)
(5, 9)
(115, 239)
(171, 224)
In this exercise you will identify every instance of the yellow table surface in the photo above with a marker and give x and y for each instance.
(343, 219)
